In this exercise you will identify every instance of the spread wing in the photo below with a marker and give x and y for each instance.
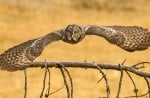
(129, 38)
(21, 56)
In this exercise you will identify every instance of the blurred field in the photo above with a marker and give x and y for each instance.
(21, 20)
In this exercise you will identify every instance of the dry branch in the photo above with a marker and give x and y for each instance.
(49, 82)
(135, 88)
(44, 80)
(57, 90)
(119, 67)
(92, 65)
(120, 82)
(25, 87)
(148, 85)
(69, 90)
(106, 80)
(65, 82)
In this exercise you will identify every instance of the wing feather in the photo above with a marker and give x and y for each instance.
(21, 56)
(129, 38)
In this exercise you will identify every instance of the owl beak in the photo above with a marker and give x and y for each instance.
(73, 36)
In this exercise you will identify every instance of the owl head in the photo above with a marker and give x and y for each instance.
(73, 34)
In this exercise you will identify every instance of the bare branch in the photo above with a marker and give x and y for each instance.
(139, 96)
(140, 64)
(25, 87)
(91, 65)
(70, 79)
(106, 81)
(65, 80)
(121, 77)
(57, 90)
(44, 80)
(100, 79)
(132, 69)
(48, 89)
(135, 88)
(148, 85)
(120, 82)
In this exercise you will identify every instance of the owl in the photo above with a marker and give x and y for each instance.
(129, 38)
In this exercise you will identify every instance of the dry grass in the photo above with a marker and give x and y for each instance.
(111, 6)
(18, 24)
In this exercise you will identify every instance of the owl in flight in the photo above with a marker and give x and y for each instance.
(129, 38)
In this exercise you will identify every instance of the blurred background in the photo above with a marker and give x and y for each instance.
(21, 20)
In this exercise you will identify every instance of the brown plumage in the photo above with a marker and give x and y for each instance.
(129, 38)
(21, 56)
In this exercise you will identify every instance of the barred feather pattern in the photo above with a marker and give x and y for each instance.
(21, 56)
(129, 38)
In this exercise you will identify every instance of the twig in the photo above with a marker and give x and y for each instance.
(56, 90)
(65, 81)
(25, 87)
(127, 69)
(143, 95)
(91, 65)
(48, 90)
(135, 88)
(70, 79)
(106, 81)
(71, 83)
(120, 82)
(100, 79)
(140, 64)
(44, 81)
(148, 85)
(121, 77)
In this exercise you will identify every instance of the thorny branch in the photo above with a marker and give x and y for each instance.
(49, 79)
(121, 77)
(70, 79)
(135, 88)
(44, 80)
(106, 80)
(57, 90)
(143, 95)
(148, 85)
(91, 65)
(65, 82)
(120, 82)
(135, 69)
(69, 90)
(25, 87)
